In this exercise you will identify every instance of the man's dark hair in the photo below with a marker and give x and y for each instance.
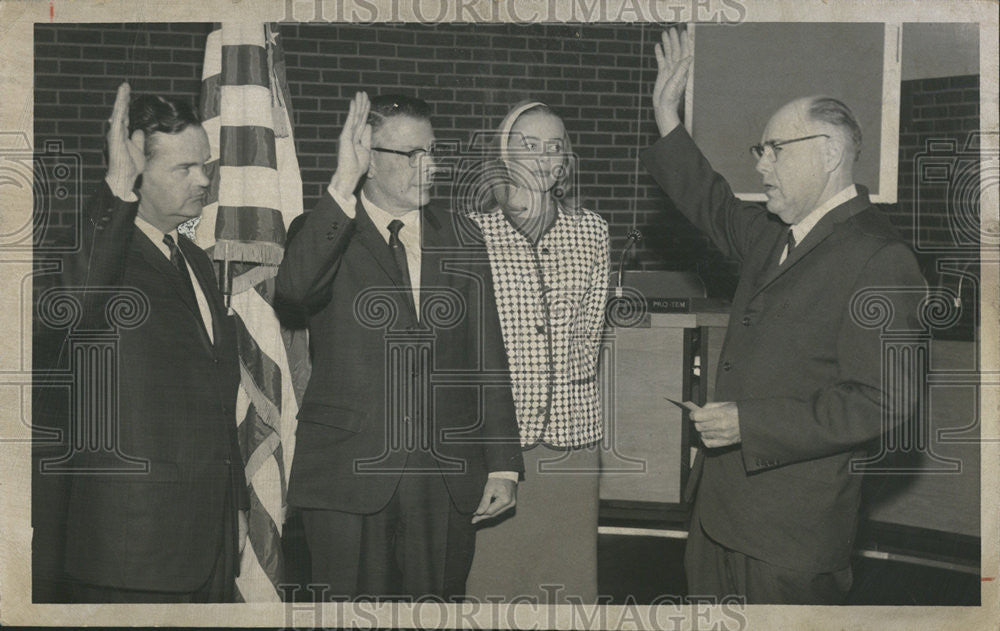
(385, 106)
(154, 114)
(830, 110)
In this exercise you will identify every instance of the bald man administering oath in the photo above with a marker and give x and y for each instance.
(800, 387)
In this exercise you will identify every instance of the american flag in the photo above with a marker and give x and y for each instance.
(255, 193)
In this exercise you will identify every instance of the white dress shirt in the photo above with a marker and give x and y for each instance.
(801, 229)
(156, 236)
(409, 235)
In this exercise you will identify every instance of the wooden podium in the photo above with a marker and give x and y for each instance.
(647, 455)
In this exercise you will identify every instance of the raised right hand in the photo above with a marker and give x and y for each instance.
(126, 156)
(674, 56)
(355, 146)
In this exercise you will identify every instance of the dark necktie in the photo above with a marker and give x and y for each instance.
(398, 251)
(177, 260)
(791, 244)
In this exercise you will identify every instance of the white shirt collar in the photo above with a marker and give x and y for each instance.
(381, 219)
(801, 229)
(156, 235)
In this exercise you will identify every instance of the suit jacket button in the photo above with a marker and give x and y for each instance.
(406, 418)
(745, 321)
(227, 461)
(727, 365)
(334, 225)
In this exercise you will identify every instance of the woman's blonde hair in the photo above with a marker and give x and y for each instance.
(494, 179)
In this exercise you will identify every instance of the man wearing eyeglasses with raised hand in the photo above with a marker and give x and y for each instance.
(800, 386)
(392, 465)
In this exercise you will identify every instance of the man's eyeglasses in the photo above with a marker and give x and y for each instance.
(413, 156)
(771, 147)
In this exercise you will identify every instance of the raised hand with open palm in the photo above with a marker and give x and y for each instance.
(355, 146)
(126, 155)
(674, 56)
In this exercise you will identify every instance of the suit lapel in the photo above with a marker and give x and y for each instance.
(162, 264)
(432, 241)
(207, 280)
(375, 243)
(820, 232)
(372, 239)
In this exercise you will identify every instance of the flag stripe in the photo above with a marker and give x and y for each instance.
(248, 105)
(262, 379)
(256, 190)
(259, 319)
(267, 441)
(213, 53)
(254, 276)
(212, 172)
(266, 483)
(237, 33)
(211, 95)
(250, 223)
(244, 146)
(244, 65)
(269, 556)
(249, 186)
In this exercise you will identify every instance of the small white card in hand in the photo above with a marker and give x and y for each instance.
(684, 404)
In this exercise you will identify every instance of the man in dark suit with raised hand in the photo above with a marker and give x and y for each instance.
(800, 388)
(157, 517)
(407, 434)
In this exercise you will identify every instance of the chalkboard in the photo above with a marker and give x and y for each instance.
(742, 74)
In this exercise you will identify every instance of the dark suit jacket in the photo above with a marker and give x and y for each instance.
(158, 530)
(806, 376)
(364, 395)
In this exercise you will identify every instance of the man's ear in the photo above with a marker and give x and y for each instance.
(835, 152)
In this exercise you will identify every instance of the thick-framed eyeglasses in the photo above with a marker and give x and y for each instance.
(413, 156)
(770, 148)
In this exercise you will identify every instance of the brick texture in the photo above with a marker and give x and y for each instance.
(937, 207)
(597, 77)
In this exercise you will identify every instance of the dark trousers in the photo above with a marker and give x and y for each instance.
(418, 545)
(219, 587)
(714, 570)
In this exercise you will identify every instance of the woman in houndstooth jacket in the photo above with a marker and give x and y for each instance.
(549, 259)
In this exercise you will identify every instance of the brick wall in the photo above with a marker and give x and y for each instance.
(596, 76)
(939, 178)
(590, 74)
(77, 70)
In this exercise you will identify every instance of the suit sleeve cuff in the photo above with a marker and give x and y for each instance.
(346, 204)
(755, 456)
(505, 475)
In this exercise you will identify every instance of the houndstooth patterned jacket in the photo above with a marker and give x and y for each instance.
(551, 297)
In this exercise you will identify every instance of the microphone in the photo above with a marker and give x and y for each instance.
(633, 237)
